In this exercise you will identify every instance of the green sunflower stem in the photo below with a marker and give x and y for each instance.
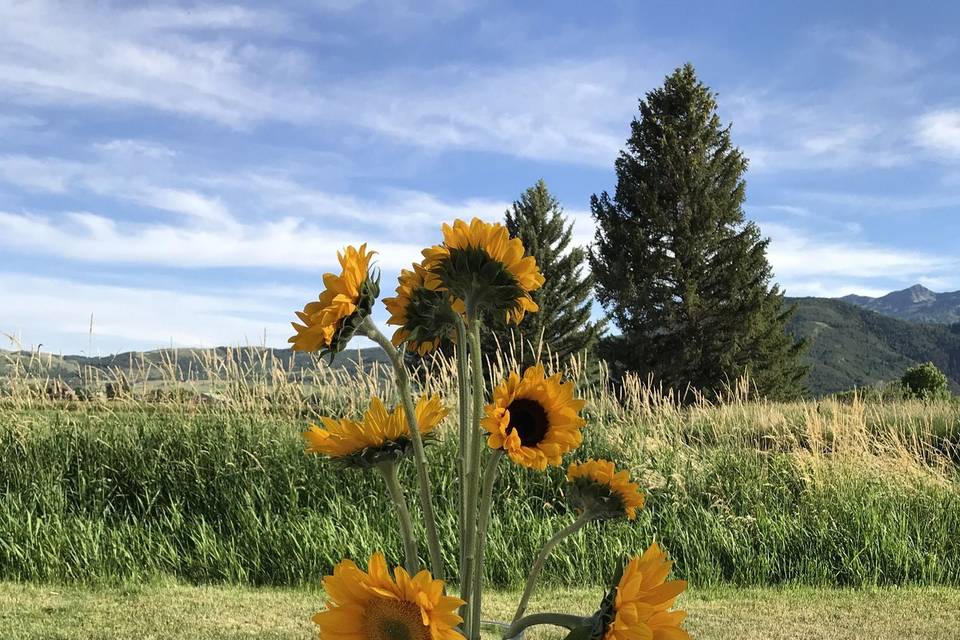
(469, 541)
(463, 389)
(419, 454)
(565, 620)
(486, 506)
(410, 553)
(537, 567)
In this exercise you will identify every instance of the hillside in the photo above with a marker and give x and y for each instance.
(851, 346)
(182, 364)
(916, 303)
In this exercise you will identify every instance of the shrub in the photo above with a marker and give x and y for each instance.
(926, 381)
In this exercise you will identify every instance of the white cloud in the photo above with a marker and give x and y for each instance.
(939, 131)
(874, 52)
(119, 180)
(124, 316)
(584, 226)
(851, 119)
(824, 265)
(12, 122)
(289, 243)
(215, 234)
(242, 219)
(866, 203)
(182, 201)
(821, 289)
(573, 111)
(214, 63)
(397, 211)
(798, 257)
(126, 148)
(812, 132)
(83, 52)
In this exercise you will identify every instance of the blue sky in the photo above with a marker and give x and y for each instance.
(184, 173)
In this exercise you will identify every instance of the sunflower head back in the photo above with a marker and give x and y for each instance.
(480, 262)
(425, 314)
(596, 487)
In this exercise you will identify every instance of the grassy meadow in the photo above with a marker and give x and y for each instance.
(206, 482)
(215, 612)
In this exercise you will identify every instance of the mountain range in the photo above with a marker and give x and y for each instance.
(854, 341)
(161, 365)
(916, 303)
(851, 346)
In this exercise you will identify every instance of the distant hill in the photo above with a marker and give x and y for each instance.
(852, 346)
(183, 364)
(916, 303)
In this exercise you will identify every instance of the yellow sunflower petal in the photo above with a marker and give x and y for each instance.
(339, 299)
(415, 607)
(533, 418)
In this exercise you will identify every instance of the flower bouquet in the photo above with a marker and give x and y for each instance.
(531, 419)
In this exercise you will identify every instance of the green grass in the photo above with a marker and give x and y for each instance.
(174, 612)
(748, 494)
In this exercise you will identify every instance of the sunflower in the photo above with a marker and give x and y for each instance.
(597, 487)
(424, 313)
(347, 299)
(638, 606)
(374, 606)
(381, 436)
(534, 419)
(482, 262)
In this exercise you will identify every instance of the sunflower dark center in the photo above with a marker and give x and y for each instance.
(529, 420)
(389, 619)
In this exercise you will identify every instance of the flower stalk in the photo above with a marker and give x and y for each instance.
(537, 567)
(470, 523)
(532, 418)
(463, 391)
(410, 553)
(419, 454)
(483, 522)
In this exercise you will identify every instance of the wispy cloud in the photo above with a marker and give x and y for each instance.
(939, 131)
(127, 148)
(60, 176)
(573, 111)
(246, 219)
(124, 316)
(288, 243)
(868, 203)
(162, 58)
(854, 118)
(808, 264)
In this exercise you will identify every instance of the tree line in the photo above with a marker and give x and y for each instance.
(679, 271)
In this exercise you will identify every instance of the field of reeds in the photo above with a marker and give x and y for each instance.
(205, 480)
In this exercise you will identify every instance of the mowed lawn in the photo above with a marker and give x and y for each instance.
(173, 612)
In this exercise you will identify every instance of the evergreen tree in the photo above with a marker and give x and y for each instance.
(562, 326)
(683, 274)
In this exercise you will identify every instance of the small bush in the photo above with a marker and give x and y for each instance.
(925, 381)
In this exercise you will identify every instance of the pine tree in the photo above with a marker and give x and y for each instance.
(682, 272)
(562, 326)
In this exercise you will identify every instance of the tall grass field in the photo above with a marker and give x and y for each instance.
(208, 482)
